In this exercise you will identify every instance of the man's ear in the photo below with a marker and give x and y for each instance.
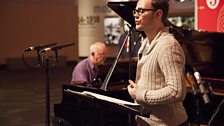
(159, 13)
(92, 53)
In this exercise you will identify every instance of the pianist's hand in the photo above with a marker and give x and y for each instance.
(132, 88)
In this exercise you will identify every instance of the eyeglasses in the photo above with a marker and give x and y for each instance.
(141, 11)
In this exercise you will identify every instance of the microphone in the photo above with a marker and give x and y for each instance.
(40, 47)
(201, 87)
(55, 48)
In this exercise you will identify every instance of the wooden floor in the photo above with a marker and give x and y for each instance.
(22, 95)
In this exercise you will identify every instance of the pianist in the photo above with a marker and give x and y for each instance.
(86, 72)
(159, 78)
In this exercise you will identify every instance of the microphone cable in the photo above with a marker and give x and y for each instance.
(28, 65)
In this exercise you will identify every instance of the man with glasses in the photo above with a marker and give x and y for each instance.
(159, 83)
(86, 71)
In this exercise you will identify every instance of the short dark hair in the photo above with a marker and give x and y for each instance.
(164, 6)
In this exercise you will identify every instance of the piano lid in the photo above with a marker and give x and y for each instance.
(204, 51)
(124, 10)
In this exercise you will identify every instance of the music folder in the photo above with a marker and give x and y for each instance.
(118, 104)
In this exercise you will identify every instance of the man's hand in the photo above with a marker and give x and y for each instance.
(132, 87)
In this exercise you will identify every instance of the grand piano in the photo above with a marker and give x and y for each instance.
(203, 52)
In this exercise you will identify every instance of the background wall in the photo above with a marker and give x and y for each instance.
(27, 23)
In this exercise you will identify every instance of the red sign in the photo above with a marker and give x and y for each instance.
(210, 15)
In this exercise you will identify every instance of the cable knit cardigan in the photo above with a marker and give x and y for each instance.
(160, 80)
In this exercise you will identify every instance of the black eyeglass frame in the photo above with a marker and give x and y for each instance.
(141, 10)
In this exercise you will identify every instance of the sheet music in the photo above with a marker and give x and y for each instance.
(110, 99)
(134, 107)
(106, 98)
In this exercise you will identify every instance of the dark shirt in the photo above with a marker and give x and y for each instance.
(85, 72)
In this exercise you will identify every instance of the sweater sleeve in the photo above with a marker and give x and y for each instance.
(171, 62)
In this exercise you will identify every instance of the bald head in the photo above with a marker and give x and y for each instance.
(98, 46)
(98, 52)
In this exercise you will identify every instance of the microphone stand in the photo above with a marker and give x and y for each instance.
(196, 98)
(130, 72)
(47, 91)
(45, 63)
(106, 80)
(46, 66)
(44, 60)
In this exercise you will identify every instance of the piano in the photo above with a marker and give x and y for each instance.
(203, 51)
(80, 111)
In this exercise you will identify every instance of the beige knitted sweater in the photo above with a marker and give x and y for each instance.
(160, 80)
